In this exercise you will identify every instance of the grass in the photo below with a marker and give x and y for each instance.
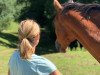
(8, 38)
(70, 63)
(76, 62)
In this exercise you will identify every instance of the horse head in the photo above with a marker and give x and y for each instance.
(64, 37)
(78, 21)
(64, 34)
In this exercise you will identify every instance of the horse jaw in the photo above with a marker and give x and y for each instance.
(57, 5)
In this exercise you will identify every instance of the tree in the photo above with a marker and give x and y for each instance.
(8, 11)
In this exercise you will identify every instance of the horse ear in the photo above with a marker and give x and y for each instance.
(57, 5)
(70, 1)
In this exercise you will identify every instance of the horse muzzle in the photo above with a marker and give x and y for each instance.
(59, 48)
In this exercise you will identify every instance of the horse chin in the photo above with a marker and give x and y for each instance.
(59, 48)
(62, 50)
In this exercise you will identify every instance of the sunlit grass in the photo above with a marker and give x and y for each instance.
(4, 58)
(13, 27)
(70, 63)
(75, 63)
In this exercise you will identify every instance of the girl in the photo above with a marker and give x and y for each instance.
(24, 61)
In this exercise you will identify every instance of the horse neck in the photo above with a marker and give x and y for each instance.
(83, 26)
(95, 17)
(86, 32)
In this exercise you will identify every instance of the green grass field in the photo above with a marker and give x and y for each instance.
(70, 63)
(78, 62)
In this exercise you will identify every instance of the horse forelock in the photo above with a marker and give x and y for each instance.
(83, 8)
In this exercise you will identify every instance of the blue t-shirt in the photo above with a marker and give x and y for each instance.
(37, 65)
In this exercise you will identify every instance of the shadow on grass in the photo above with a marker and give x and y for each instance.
(11, 38)
(46, 45)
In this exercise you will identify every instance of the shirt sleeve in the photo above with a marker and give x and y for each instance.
(45, 67)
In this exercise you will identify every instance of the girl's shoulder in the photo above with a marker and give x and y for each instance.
(15, 54)
(40, 60)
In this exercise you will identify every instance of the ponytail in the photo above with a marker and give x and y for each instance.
(25, 49)
(29, 37)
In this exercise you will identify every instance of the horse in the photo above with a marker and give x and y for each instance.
(78, 21)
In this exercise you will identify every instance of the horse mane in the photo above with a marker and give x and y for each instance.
(83, 8)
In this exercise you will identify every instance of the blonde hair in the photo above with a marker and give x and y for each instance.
(28, 32)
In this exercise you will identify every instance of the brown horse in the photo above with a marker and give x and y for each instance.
(78, 21)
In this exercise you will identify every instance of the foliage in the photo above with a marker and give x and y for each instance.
(5, 13)
(40, 10)
(8, 11)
